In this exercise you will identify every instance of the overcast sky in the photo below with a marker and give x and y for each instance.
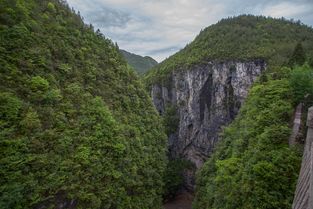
(159, 28)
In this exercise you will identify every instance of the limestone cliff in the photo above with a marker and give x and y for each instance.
(207, 97)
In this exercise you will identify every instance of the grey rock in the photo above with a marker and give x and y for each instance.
(208, 96)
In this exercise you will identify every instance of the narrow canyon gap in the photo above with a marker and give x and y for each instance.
(206, 97)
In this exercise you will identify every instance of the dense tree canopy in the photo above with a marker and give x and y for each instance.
(75, 122)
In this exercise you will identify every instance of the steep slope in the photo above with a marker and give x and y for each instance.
(77, 129)
(139, 63)
(205, 84)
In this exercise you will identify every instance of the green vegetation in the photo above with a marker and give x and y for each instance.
(170, 119)
(173, 177)
(298, 56)
(253, 166)
(245, 37)
(77, 126)
(139, 63)
(301, 81)
(75, 121)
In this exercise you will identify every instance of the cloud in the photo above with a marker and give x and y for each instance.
(293, 10)
(160, 28)
(105, 17)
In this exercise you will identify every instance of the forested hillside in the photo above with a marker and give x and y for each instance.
(76, 126)
(139, 63)
(243, 38)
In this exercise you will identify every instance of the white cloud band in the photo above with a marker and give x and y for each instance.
(160, 28)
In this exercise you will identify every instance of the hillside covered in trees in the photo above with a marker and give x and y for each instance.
(139, 63)
(77, 127)
(245, 37)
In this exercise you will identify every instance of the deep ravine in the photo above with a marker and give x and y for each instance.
(181, 201)
(206, 98)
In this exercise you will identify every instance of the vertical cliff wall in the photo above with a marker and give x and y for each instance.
(304, 193)
(207, 97)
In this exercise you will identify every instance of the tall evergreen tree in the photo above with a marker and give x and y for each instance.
(298, 56)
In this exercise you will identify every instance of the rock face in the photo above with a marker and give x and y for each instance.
(207, 97)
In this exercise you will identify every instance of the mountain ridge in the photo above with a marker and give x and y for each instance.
(257, 37)
(141, 64)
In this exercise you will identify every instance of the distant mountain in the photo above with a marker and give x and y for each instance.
(139, 63)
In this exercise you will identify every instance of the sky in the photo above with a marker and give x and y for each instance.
(159, 28)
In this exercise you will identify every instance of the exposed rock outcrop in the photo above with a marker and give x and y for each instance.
(207, 97)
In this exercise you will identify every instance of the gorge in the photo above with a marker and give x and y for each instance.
(206, 98)
(79, 128)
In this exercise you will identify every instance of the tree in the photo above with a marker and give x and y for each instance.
(298, 56)
(301, 81)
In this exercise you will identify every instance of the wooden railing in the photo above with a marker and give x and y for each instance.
(304, 192)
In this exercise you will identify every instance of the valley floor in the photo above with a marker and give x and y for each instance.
(182, 201)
